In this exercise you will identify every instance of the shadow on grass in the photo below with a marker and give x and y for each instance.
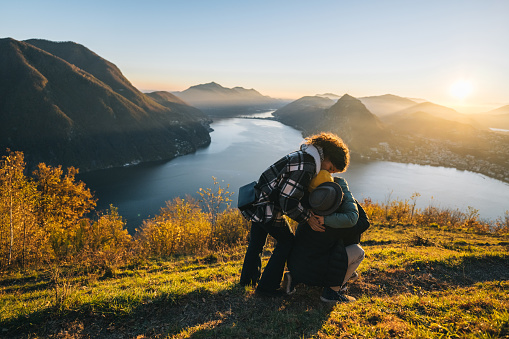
(24, 285)
(234, 312)
(376, 242)
(18, 281)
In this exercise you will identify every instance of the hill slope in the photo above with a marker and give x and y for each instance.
(497, 118)
(304, 113)
(59, 113)
(101, 69)
(172, 102)
(435, 110)
(415, 282)
(353, 122)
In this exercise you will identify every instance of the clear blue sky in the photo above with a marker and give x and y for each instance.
(288, 49)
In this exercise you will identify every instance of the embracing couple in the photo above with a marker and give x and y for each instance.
(325, 250)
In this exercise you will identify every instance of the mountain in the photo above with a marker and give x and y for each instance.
(101, 69)
(497, 118)
(62, 104)
(386, 104)
(304, 113)
(348, 118)
(432, 109)
(171, 101)
(215, 99)
(331, 96)
(499, 111)
(353, 122)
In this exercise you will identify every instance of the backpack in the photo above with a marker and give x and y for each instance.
(352, 235)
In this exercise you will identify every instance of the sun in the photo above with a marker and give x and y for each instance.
(461, 89)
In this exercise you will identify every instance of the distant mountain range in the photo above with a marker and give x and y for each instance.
(386, 104)
(215, 99)
(62, 104)
(388, 107)
(396, 118)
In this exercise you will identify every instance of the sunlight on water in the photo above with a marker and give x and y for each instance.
(438, 186)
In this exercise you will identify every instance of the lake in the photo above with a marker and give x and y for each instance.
(242, 148)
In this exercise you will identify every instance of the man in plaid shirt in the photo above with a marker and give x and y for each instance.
(279, 191)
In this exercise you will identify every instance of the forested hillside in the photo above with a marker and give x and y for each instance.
(62, 104)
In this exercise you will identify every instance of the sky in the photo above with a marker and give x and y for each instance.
(451, 52)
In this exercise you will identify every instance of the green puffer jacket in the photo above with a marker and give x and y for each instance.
(319, 258)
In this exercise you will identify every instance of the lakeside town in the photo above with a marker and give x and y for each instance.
(490, 159)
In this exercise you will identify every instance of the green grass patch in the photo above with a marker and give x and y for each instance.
(415, 283)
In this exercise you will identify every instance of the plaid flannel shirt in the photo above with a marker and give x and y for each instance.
(280, 189)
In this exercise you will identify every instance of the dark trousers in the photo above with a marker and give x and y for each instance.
(271, 278)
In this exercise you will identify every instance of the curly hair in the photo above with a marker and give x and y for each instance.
(334, 149)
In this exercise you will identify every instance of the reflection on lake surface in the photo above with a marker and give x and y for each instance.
(242, 148)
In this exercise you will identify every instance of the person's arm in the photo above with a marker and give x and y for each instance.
(292, 191)
(347, 214)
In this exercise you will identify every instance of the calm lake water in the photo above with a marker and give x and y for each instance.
(242, 148)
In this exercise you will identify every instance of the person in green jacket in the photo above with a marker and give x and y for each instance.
(324, 255)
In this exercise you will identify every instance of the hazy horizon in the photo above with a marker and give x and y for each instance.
(449, 53)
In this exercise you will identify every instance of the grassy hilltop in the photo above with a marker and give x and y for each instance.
(416, 281)
(66, 272)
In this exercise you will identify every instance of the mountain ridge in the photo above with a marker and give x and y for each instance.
(346, 117)
(58, 113)
(350, 119)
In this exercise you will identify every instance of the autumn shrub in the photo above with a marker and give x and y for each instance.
(104, 242)
(180, 228)
(399, 212)
(373, 210)
(231, 229)
(472, 222)
(214, 201)
(502, 224)
(428, 216)
(392, 212)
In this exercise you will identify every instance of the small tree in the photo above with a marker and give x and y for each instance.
(215, 200)
(18, 198)
(387, 204)
(414, 197)
(103, 242)
(63, 202)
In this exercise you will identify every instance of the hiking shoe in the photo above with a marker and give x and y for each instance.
(288, 286)
(269, 293)
(331, 296)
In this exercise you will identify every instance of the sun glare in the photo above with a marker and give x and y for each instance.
(461, 89)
